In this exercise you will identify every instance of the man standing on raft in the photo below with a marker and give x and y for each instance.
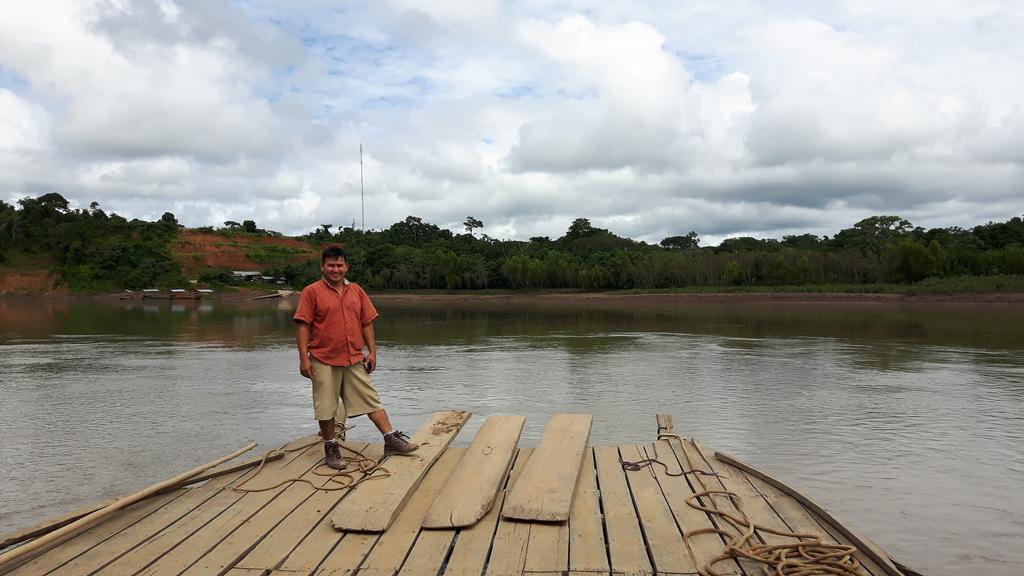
(335, 322)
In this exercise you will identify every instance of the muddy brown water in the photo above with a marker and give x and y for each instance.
(906, 421)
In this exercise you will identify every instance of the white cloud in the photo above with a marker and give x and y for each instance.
(629, 102)
(726, 118)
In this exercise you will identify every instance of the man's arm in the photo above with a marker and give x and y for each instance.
(371, 346)
(302, 340)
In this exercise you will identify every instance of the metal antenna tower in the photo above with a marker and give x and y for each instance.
(362, 197)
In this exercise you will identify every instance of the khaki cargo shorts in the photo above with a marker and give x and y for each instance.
(351, 383)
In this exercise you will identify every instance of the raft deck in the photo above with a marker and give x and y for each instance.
(621, 521)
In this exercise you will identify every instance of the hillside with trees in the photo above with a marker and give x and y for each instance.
(89, 249)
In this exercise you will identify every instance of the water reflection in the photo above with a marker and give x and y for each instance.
(905, 420)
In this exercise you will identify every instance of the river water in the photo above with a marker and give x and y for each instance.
(906, 421)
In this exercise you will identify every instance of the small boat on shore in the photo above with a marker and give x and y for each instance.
(154, 294)
(670, 506)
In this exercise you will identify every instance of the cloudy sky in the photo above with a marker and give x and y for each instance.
(727, 117)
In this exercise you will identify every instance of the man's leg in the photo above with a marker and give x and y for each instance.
(360, 397)
(326, 392)
(380, 420)
(339, 421)
(327, 429)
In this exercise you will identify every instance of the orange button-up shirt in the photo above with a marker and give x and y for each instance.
(336, 317)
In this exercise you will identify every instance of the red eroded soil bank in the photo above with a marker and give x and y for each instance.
(200, 251)
(27, 282)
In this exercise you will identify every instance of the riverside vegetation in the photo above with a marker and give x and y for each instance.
(91, 250)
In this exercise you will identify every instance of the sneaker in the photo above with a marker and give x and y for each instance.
(332, 456)
(397, 442)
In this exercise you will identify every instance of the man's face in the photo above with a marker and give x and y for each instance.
(334, 269)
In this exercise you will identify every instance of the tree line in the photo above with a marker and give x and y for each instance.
(413, 254)
(89, 249)
(92, 250)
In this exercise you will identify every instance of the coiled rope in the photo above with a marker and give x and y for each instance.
(808, 556)
(364, 468)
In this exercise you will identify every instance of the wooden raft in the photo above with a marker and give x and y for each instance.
(620, 522)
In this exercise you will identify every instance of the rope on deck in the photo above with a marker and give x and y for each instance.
(809, 556)
(365, 468)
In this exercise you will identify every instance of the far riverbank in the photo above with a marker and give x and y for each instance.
(616, 298)
(659, 299)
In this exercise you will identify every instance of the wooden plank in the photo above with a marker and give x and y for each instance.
(690, 457)
(754, 504)
(130, 539)
(471, 549)
(665, 424)
(549, 480)
(389, 553)
(286, 536)
(548, 548)
(349, 553)
(375, 505)
(703, 547)
(799, 519)
(432, 545)
(53, 558)
(51, 524)
(663, 536)
(15, 556)
(428, 553)
(626, 547)
(508, 552)
(251, 532)
(322, 543)
(587, 552)
(869, 548)
(166, 540)
(471, 491)
(196, 545)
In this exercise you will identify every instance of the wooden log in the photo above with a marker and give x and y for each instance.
(374, 505)
(470, 492)
(9, 557)
(128, 545)
(74, 545)
(869, 548)
(549, 480)
(51, 524)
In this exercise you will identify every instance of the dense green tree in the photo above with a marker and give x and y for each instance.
(871, 235)
(690, 240)
(471, 224)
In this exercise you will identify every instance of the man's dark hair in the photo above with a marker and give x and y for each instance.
(333, 251)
